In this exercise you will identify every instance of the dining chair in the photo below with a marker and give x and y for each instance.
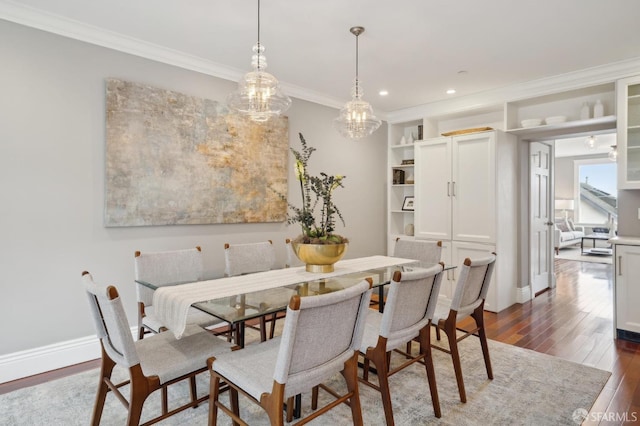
(468, 301)
(241, 259)
(153, 363)
(321, 337)
(292, 259)
(167, 268)
(425, 251)
(407, 315)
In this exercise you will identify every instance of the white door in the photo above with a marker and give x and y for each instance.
(473, 188)
(541, 231)
(627, 290)
(460, 251)
(433, 189)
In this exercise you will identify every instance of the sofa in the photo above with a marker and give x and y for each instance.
(566, 233)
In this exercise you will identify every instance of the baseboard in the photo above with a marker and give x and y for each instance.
(523, 294)
(27, 363)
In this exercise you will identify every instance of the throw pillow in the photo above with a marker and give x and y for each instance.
(561, 224)
(571, 225)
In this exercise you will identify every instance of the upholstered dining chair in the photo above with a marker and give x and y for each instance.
(410, 305)
(321, 337)
(468, 301)
(163, 268)
(292, 259)
(425, 251)
(241, 259)
(153, 363)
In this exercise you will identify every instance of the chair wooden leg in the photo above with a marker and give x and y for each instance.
(263, 329)
(274, 317)
(214, 393)
(140, 390)
(437, 333)
(314, 398)
(478, 315)
(379, 359)
(450, 329)
(350, 374)
(233, 401)
(106, 368)
(290, 405)
(425, 349)
(193, 390)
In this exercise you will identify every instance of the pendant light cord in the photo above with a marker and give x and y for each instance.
(259, 46)
(357, 80)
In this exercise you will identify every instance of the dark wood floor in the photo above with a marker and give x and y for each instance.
(572, 321)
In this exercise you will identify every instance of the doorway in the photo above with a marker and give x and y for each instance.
(566, 189)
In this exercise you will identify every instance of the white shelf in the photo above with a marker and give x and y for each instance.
(402, 185)
(402, 211)
(403, 166)
(578, 125)
(405, 146)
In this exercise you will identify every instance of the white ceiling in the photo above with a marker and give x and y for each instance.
(415, 49)
(574, 147)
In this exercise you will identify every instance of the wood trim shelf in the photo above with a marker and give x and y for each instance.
(578, 125)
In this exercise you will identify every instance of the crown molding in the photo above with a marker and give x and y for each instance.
(56, 24)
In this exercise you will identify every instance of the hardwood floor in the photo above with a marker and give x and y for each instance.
(572, 321)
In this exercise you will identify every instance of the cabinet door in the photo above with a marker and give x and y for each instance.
(627, 291)
(628, 140)
(433, 189)
(473, 187)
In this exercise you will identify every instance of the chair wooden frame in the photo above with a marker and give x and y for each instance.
(380, 355)
(448, 325)
(274, 401)
(141, 385)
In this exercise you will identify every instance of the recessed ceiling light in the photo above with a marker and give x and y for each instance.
(383, 93)
(451, 91)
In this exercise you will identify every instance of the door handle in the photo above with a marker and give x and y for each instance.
(548, 223)
(448, 189)
(619, 266)
(453, 189)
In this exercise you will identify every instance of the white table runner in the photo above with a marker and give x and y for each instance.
(171, 304)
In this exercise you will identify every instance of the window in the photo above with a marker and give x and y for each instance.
(596, 191)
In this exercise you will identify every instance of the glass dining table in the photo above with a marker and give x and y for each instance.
(240, 308)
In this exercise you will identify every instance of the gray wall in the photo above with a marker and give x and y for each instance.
(52, 127)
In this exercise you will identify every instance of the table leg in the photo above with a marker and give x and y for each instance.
(239, 333)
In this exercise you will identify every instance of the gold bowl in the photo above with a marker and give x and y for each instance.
(319, 257)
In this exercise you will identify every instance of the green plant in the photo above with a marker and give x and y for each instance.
(316, 191)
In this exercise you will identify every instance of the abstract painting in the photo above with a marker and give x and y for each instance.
(175, 159)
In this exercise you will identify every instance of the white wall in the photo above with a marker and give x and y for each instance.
(52, 143)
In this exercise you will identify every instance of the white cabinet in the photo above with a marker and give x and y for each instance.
(627, 291)
(466, 197)
(628, 141)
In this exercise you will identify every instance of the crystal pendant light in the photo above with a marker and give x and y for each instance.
(258, 95)
(613, 154)
(590, 142)
(356, 119)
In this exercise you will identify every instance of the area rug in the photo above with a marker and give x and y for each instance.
(573, 253)
(529, 388)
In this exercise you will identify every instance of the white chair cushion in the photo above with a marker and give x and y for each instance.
(168, 358)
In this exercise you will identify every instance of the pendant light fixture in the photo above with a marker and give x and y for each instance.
(258, 95)
(356, 119)
(590, 142)
(613, 154)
